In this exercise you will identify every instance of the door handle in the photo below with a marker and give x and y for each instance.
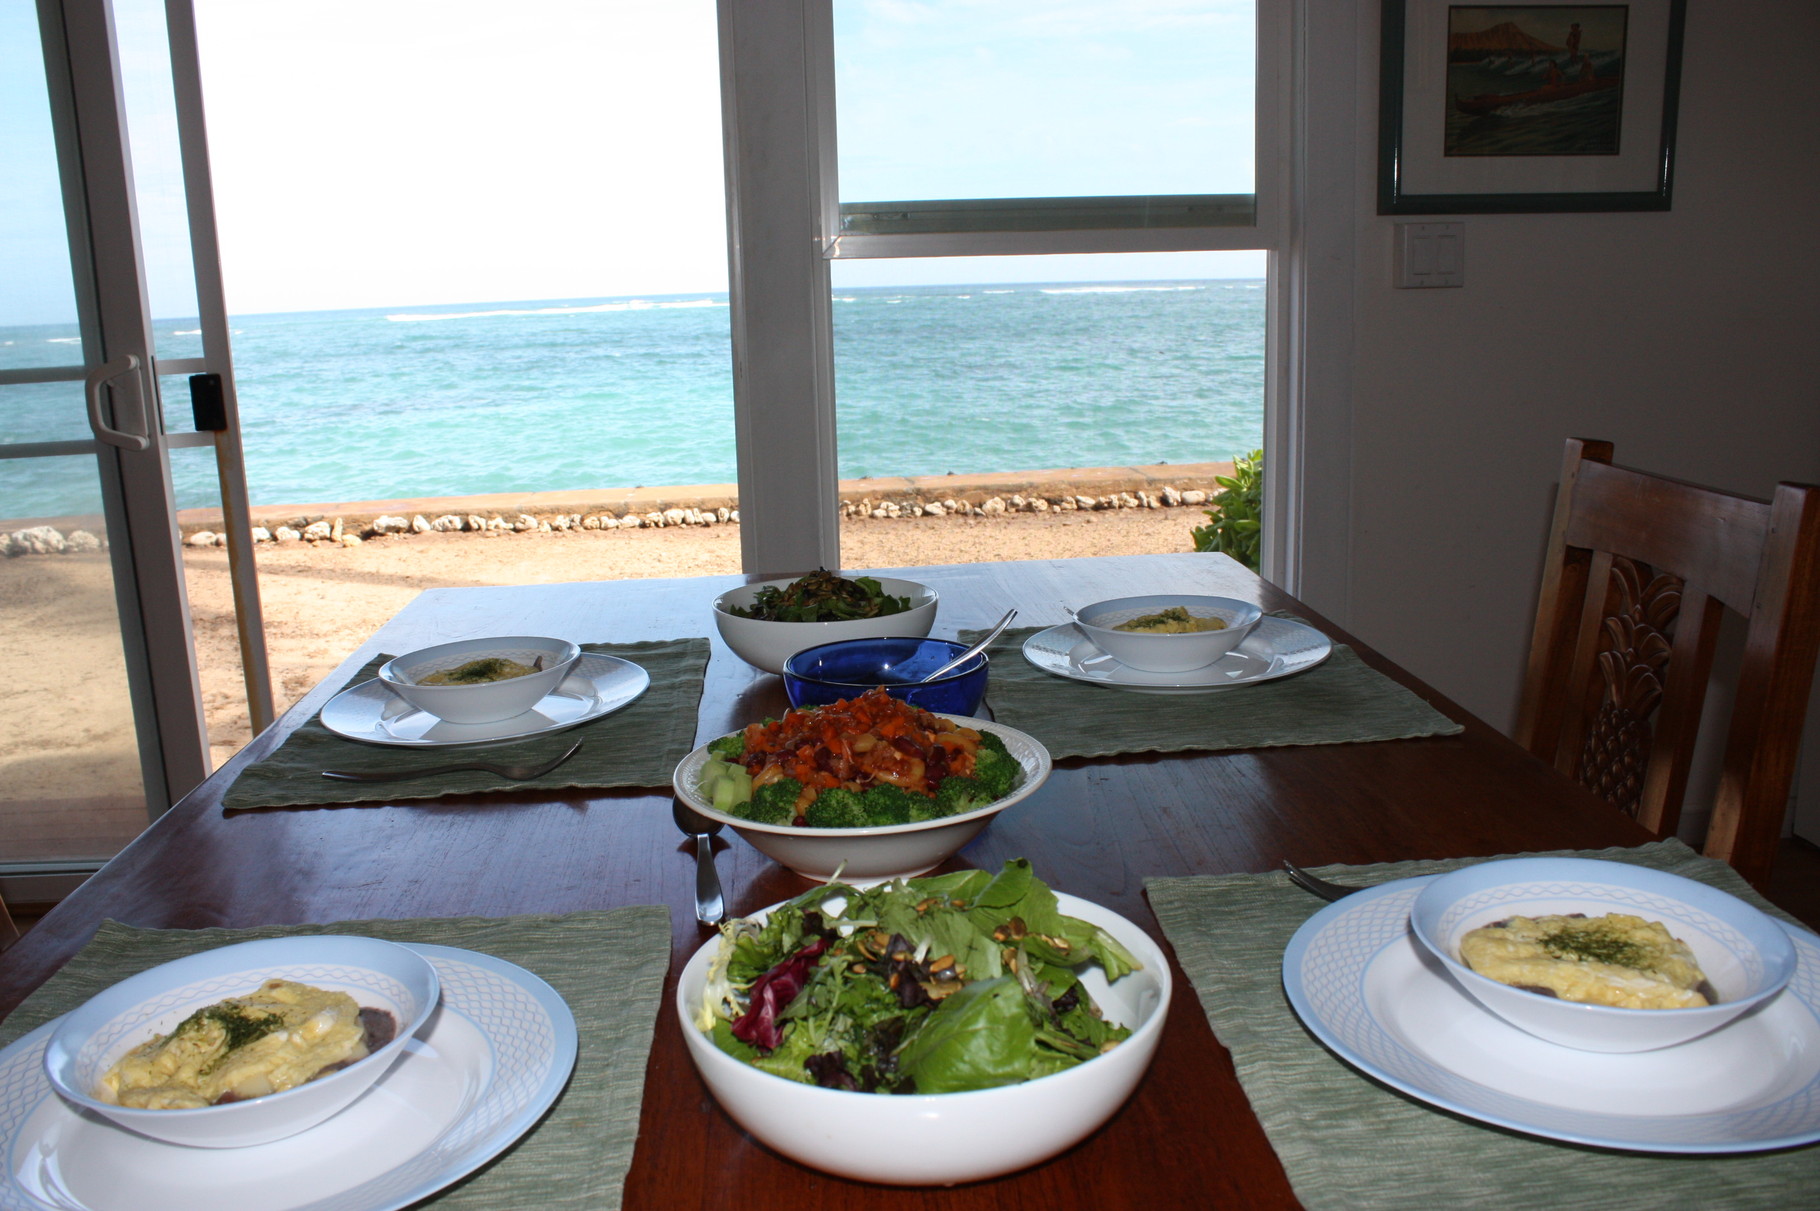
(98, 378)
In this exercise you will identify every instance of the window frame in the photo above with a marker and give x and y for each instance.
(777, 63)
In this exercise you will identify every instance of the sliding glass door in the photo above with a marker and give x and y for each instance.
(104, 726)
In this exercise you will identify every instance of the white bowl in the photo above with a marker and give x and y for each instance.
(1747, 956)
(488, 701)
(943, 1138)
(378, 975)
(872, 855)
(1167, 653)
(766, 645)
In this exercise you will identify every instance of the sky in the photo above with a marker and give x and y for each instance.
(379, 153)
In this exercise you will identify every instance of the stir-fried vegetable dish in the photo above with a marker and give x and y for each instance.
(861, 762)
(822, 596)
(941, 984)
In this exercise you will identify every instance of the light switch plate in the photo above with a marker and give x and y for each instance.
(1430, 254)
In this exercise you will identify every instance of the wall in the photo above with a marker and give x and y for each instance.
(1687, 338)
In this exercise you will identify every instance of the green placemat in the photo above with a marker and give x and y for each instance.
(637, 746)
(1339, 701)
(608, 966)
(1353, 1145)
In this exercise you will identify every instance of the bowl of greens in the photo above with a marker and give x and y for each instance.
(768, 622)
(874, 788)
(1034, 1015)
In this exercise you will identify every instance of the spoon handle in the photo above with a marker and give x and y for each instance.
(984, 643)
(709, 908)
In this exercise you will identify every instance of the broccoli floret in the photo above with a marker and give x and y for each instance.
(836, 807)
(729, 747)
(773, 803)
(888, 804)
(959, 793)
(925, 807)
(993, 742)
(995, 771)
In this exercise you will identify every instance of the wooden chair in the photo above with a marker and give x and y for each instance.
(1640, 571)
(9, 933)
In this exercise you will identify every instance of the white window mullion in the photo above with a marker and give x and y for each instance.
(778, 152)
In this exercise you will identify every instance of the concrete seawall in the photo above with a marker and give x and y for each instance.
(887, 495)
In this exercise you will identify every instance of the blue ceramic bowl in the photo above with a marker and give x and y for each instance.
(846, 669)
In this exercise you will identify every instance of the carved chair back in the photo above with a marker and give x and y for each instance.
(1640, 571)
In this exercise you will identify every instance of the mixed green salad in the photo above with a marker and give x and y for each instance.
(822, 596)
(939, 984)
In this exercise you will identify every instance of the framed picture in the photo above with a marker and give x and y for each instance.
(1510, 108)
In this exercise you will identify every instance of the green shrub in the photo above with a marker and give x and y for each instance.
(1235, 525)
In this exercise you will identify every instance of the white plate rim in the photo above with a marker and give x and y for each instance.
(1625, 1132)
(358, 701)
(561, 1057)
(1036, 772)
(1197, 681)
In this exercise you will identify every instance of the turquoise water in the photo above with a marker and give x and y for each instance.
(606, 393)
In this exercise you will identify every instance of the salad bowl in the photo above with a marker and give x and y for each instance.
(765, 644)
(944, 1138)
(871, 855)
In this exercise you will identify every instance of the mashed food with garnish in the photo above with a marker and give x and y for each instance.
(475, 672)
(270, 1040)
(1616, 960)
(1173, 621)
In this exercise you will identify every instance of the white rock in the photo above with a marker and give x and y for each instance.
(1086, 502)
(448, 523)
(477, 522)
(317, 531)
(654, 518)
(1039, 505)
(420, 524)
(1171, 498)
(723, 515)
(351, 540)
(934, 509)
(631, 521)
(733, 516)
(82, 540)
(1066, 504)
(525, 523)
(286, 534)
(390, 523)
(559, 522)
(201, 538)
(335, 531)
(498, 523)
(591, 522)
(1194, 496)
(993, 506)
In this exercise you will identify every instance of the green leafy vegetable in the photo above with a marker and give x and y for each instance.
(822, 596)
(941, 984)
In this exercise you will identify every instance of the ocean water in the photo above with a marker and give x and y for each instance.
(610, 393)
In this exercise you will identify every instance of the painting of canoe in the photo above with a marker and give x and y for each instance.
(1535, 80)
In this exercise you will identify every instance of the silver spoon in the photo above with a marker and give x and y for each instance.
(1319, 887)
(709, 908)
(973, 651)
(518, 773)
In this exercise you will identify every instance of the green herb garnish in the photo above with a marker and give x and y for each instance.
(239, 1026)
(1595, 946)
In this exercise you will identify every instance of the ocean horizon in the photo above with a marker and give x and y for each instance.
(634, 391)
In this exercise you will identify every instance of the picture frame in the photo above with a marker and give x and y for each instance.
(1527, 108)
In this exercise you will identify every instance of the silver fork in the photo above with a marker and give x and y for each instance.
(1319, 887)
(517, 773)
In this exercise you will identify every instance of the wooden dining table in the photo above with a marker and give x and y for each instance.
(1097, 829)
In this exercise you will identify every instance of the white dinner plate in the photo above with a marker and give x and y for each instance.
(598, 686)
(1276, 647)
(489, 1063)
(1367, 989)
